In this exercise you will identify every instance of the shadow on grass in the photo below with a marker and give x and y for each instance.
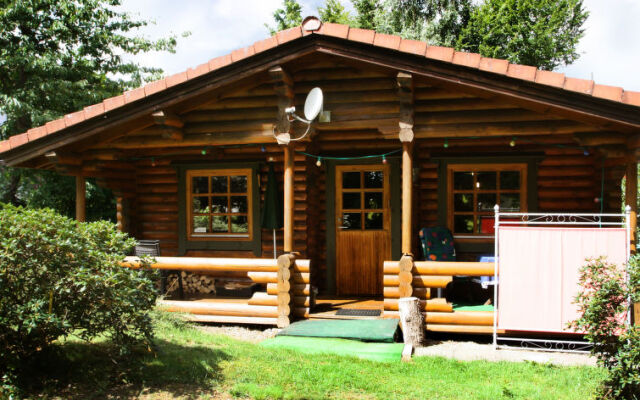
(91, 371)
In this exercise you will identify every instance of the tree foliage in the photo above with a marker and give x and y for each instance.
(57, 57)
(289, 16)
(365, 13)
(334, 11)
(438, 22)
(57, 278)
(542, 33)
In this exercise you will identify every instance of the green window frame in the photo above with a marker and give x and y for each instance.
(210, 239)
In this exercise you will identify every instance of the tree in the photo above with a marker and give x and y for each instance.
(365, 13)
(334, 11)
(57, 56)
(438, 22)
(542, 33)
(287, 17)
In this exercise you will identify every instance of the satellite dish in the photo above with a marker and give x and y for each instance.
(312, 107)
(313, 104)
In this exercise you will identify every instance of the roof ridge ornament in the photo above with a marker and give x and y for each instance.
(311, 24)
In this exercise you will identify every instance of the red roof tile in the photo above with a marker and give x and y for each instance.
(550, 78)
(176, 79)
(219, 62)
(74, 118)
(522, 72)
(93, 111)
(155, 87)
(413, 46)
(37, 133)
(337, 30)
(240, 54)
(262, 45)
(18, 140)
(54, 126)
(608, 92)
(289, 34)
(578, 85)
(467, 59)
(114, 102)
(632, 98)
(440, 53)
(361, 35)
(418, 48)
(388, 41)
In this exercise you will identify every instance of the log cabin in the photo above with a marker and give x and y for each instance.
(411, 136)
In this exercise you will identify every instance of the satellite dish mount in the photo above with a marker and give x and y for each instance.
(312, 107)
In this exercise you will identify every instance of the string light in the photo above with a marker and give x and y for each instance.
(319, 162)
(153, 162)
(384, 159)
(204, 152)
(263, 149)
(585, 152)
(512, 143)
(446, 143)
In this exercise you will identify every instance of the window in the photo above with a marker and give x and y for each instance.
(361, 198)
(474, 190)
(219, 204)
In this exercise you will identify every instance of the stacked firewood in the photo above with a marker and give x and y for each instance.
(192, 283)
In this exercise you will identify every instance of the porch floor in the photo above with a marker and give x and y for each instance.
(327, 307)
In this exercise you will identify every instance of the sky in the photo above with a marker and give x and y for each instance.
(610, 48)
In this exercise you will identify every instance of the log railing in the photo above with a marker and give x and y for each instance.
(428, 275)
(287, 293)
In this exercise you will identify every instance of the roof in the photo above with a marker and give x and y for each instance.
(311, 26)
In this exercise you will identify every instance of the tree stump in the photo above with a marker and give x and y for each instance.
(412, 320)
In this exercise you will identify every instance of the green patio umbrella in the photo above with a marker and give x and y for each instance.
(272, 210)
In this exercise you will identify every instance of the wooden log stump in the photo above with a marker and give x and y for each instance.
(405, 276)
(412, 321)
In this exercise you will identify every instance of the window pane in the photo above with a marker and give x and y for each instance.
(239, 204)
(373, 220)
(200, 224)
(220, 223)
(486, 201)
(239, 224)
(486, 224)
(200, 184)
(486, 180)
(463, 180)
(239, 184)
(351, 201)
(463, 223)
(373, 179)
(351, 221)
(373, 200)
(351, 180)
(463, 202)
(200, 204)
(510, 202)
(510, 180)
(219, 204)
(219, 184)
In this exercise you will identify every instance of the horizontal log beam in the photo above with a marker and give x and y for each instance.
(444, 268)
(202, 264)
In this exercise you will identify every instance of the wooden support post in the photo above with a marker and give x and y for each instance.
(412, 322)
(407, 196)
(288, 198)
(122, 214)
(81, 189)
(283, 86)
(405, 134)
(631, 197)
(285, 292)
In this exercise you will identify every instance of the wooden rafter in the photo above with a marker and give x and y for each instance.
(405, 96)
(283, 86)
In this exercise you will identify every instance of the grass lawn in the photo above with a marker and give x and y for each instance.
(189, 363)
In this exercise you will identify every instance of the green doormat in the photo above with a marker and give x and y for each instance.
(466, 307)
(353, 348)
(368, 330)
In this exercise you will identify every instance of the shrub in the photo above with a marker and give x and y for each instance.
(607, 293)
(59, 277)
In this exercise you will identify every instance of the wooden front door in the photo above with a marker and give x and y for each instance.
(363, 239)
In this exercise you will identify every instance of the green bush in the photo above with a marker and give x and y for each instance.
(607, 294)
(59, 277)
